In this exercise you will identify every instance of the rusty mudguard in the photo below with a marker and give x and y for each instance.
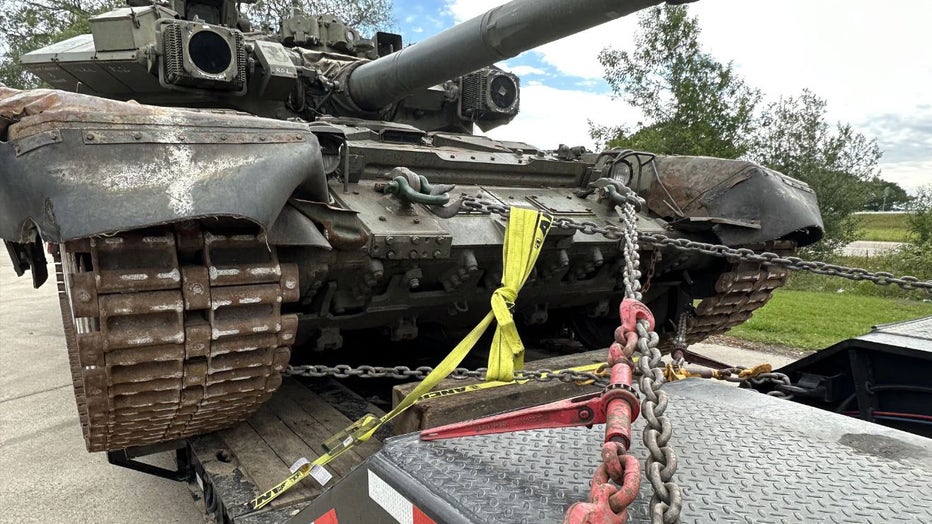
(73, 166)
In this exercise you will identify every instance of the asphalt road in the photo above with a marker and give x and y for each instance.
(868, 248)
(45, 473)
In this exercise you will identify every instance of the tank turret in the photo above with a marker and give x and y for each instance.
(196, 53)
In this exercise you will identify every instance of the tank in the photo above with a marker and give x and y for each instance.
(220, 201)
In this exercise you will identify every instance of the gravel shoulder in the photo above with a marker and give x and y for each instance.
(773, 349)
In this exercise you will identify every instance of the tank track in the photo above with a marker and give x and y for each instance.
(739, 292)
(744, 288)
(173, 331)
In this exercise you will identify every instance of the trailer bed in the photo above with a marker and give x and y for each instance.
(235, 465)
(743, 457)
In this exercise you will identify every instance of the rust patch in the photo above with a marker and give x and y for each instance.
(341, 227)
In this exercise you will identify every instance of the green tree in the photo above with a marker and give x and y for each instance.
(884, 196)
(692, 104)
(27, 25)
(919, 218)
(366, 15)
(835, 160)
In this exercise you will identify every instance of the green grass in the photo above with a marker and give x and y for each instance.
(886, 227)
(909, 260)
(815, 320)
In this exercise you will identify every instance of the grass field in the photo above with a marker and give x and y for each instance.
(889, 227)
(910, 260)
(815, 320)
(816, 311)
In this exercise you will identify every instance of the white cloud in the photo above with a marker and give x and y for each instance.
(909, 175)
(550, 117)
(868, 59)
(466, 9)
(863, 56)
(524, 70)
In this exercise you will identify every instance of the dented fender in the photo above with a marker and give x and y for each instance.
(74, 166)
(743, 203)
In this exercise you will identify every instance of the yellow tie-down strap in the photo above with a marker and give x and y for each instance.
(524, 238)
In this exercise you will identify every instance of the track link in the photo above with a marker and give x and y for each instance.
(173, 331)
(740, 291)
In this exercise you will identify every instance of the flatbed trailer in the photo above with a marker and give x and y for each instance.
(743, 456)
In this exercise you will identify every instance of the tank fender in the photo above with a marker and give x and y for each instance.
(743, 203)
(74, 166)
(292, 228)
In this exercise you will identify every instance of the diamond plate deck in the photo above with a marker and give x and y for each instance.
(913, 334)
(743, 457)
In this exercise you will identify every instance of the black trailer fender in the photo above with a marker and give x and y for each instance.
(74, 166)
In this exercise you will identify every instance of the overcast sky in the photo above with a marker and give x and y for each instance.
(871, 60)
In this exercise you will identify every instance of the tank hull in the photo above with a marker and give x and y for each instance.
(199, 251)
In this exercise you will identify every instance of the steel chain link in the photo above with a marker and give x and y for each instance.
(780, 382)
(610, 231)
(777, 380)
(667, 500)
(407, 373)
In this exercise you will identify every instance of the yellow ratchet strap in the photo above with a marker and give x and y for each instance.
(524, 238)
(673, 372)
(301, 469)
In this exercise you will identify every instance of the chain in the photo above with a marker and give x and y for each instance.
(632, 271)
(678, 355)
(778, 381)
(736, 254)
(679, 341)
(660, 465)
(881, 278)
(406, 373)
(651, 269)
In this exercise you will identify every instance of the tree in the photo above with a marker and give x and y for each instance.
(695, 105)
(884, 196)
(692, 104)
(27, 25)
(919, 218)
(366, 15)
(795, 138)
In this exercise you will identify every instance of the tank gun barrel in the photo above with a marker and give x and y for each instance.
(499, 34)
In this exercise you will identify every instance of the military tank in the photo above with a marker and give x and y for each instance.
(214, 196)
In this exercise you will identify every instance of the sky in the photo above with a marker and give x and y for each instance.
(872, 62)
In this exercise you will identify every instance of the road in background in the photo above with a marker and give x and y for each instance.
(869, 248)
